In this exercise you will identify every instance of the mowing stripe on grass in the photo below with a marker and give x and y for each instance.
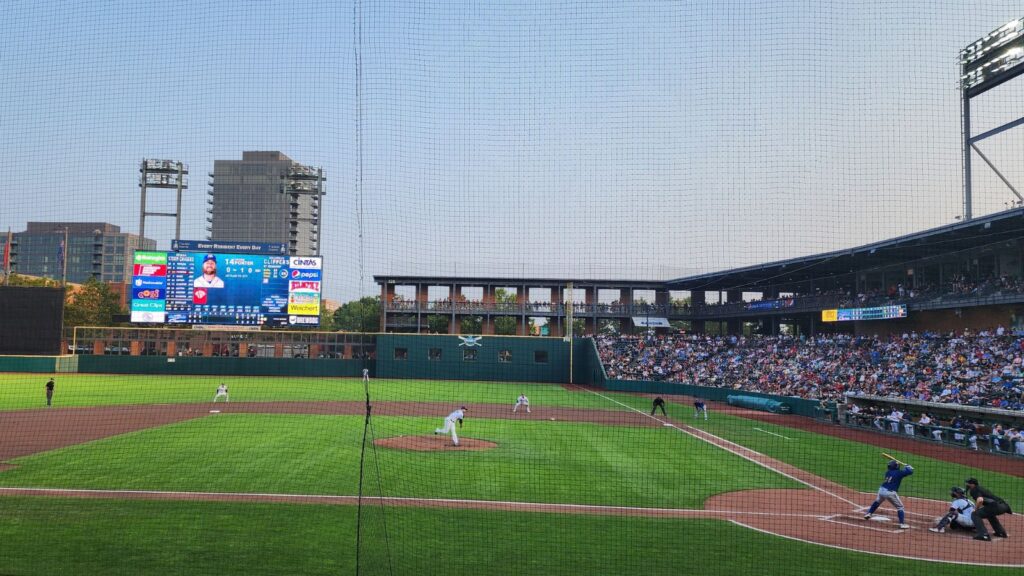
(721, 443)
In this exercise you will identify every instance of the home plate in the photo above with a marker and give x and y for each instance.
(880, 519)
(214, 411)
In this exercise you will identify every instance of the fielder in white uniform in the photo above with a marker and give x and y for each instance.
(366, 375)
(522, 401)
(449, 424)
(222, 390)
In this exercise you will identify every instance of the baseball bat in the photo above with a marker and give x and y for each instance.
(891, 457)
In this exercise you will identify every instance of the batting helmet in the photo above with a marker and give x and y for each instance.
(956, 492)
(893, 464)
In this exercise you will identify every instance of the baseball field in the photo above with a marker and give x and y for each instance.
(144, 475)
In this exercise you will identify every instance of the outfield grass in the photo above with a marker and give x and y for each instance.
(45, 536)
(536, 461)
(21, 391)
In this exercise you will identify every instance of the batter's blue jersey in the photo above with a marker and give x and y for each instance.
(894, 477)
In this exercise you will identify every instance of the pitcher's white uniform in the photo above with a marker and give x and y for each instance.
(522, 401)
(222, 390)
(449, 424)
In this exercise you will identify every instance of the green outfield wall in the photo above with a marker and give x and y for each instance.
(220, 366)
(491, 358)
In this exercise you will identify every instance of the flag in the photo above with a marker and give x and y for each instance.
(60, 253)
(7, 254)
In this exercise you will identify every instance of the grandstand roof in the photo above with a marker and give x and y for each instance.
(501, 281)
(978, 232)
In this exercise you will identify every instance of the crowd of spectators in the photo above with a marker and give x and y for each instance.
(983, 369)
(958, 430)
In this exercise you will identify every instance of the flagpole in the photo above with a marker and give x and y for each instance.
(7, 258)
(64, 260)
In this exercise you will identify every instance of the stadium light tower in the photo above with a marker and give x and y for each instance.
(162, 174)
(984, 64)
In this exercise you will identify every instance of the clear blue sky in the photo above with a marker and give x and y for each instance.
(585, 138)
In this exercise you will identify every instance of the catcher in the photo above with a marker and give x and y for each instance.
(959, 514)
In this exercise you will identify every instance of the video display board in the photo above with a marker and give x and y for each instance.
(226, 289)
(855, 314)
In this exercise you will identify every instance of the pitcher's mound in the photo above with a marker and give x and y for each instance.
(432, 443)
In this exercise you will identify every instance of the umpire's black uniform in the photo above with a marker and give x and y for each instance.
(658, 403)
(992, 506)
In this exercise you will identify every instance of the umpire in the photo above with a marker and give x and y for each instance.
(987, 505)
(658, 403)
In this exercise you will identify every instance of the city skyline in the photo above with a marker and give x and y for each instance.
(524, 139)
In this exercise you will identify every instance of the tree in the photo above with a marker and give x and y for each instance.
(94, 304)
(505, 325)
(326, 319)
(361, 315)
(504, 296)
(33, 281)
(437, 324)
(471, 325)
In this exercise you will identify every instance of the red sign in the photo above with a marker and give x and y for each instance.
(304, 285)
(199, 295)
(150, 270)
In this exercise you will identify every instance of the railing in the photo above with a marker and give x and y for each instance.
(938, 434)
(519, 308)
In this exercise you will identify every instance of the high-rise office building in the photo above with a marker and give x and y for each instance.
(93, 250)
(266, 197)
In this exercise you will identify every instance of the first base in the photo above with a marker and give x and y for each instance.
(214, 411)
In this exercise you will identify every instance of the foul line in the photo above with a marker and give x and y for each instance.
(848, 549)
(772, 433)
(734, 452)
(345, 499)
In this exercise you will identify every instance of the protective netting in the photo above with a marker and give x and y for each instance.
(510, 221)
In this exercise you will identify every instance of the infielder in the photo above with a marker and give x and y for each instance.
(522, 401)
(449, 424)
(888, 491)
(222, 390)
(698, 407)
(959, 514)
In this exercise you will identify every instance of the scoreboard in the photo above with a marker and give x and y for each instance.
(226, 289)
(856, 314)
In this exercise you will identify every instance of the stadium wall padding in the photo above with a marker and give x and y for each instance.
(220, 366)
(451, 365)
(37, 364)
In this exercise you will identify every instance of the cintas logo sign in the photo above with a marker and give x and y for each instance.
(305, 262)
